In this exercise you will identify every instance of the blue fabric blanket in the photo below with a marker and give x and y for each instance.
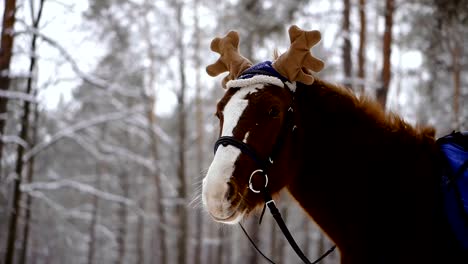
(454, 148)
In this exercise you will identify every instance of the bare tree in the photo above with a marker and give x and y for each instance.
(362, 46)
(100, 170)
(6, 51)
(181, 210)
(346, 49)
(123, 214)
(200, 140)
(149, 101)
(453, 40)
(29, 179)
(25, 124)
(386, 75)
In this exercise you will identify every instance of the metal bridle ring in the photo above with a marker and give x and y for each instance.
(250, 181)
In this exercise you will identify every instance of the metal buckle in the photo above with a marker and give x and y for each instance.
(250, 181)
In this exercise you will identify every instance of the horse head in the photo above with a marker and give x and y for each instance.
(256, 120)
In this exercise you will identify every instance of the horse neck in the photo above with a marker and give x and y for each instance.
(351, 152)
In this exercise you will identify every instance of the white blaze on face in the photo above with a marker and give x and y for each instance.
(221, 168)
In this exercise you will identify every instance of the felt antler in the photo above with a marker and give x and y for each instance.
(296, 63)
(230, 60)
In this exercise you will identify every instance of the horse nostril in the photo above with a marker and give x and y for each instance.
(230, 192)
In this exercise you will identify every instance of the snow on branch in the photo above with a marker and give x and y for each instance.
(71, 213)
(18, 96)
(92, 80)
(65, 183)
(14, 139)
(163, 135)
(89, 147)
(142, 122)
(85, 77)
(80, 126)
(74, 213)
(129, 155)
(35, 190)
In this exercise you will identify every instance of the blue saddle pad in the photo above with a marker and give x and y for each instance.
(454, 148)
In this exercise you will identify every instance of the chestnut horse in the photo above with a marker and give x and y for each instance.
(369, 179)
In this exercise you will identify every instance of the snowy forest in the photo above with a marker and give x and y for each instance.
(107, 116)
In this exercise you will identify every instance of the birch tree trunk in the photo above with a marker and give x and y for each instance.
(6, 51)
(387, 52)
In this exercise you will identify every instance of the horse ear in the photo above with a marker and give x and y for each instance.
(230, 59)
(297, 62)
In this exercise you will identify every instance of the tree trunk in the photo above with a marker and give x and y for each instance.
(306, 246)
(30, 172)
(347, 62)
(273, 240)
(20, 150)
(362, 46)
(122, 213)
(254, 233)
(6, 51)
(200, 140)
(182, 245)
(100, 170)
(221, 247)
(141, 235)
(29, 179)
(387, 52)
(281, 242)
(160, 231)
(150, 102)
(456, 53)
(321, 245)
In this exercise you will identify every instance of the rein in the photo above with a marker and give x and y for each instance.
(268, 200)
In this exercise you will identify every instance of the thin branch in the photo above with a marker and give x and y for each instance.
(18, 96)
(65, 183)
(77, 127)
(14, 139)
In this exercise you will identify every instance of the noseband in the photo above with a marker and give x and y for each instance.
(246, 149)
(263, 165)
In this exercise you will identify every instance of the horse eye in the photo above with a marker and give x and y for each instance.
(274, 112)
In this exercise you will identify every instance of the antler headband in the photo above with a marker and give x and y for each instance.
(295, 64)
(230, 60)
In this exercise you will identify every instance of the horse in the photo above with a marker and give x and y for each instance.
(368, 178)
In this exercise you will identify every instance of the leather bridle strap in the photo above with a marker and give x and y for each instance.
(270, 203)
(244, 148)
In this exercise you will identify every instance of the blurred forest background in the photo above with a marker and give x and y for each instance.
(107, 127)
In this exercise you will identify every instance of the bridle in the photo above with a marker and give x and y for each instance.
(262, 169)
